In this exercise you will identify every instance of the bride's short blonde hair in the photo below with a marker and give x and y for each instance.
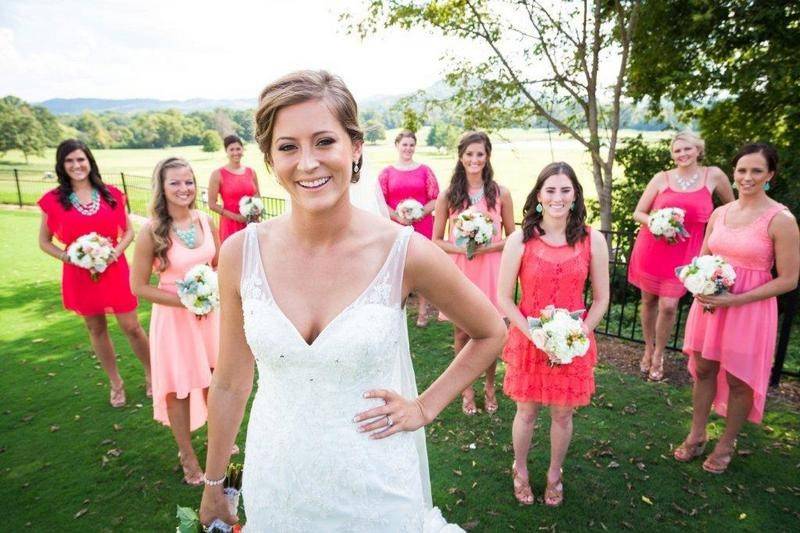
(693, 139)
(299, 87)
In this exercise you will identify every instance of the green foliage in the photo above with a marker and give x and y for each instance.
(412, 120)
(25, 127)
(374, 131)
(211, 141)
(442, 136)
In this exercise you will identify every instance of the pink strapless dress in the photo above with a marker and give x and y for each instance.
(741, 339)
(653, 261)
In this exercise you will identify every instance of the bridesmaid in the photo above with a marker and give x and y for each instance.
(653, 261)
(184, 347)
(409, 179)
(81, 204)
(232, 181)
(731, 350)
(553, 256)
(473, 185)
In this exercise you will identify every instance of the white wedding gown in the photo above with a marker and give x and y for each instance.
(306, 467)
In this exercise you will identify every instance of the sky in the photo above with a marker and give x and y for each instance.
(179, 49)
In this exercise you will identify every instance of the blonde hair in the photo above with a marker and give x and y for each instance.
(160, 219)
(693, 139)
(299, 87)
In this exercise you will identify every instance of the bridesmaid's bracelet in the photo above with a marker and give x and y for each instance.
(213, 482)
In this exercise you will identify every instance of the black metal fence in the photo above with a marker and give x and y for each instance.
(24, 187)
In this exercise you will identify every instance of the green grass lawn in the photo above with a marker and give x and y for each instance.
(70, 462)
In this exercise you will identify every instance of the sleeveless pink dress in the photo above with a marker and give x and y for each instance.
(653, 261)
(183, 348)
(741, 339)
(484, 269)
(419, 183)
(550, 275)
(232, 187)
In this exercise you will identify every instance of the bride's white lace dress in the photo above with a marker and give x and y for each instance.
(306, 467)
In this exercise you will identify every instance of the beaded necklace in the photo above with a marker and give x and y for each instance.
(86, 209)
(686, 183)
(187, 236)
(475, 198)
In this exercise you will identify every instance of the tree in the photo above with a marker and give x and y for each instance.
(374, 131)
(412, 120)
(442, 136)
(211, 141)
(543, 59)
(92, 131)
(737, 75)
(20, 129)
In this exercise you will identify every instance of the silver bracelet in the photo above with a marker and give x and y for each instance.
(213, 482)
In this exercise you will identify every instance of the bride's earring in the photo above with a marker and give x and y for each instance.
(355, 167)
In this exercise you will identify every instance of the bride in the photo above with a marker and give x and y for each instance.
(315, 298)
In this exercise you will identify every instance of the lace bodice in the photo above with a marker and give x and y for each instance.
(748, 246)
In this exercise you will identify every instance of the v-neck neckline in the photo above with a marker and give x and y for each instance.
(336, 317)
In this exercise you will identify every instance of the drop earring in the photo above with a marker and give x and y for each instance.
(766, 186)
(572, 206)
(539, 208)
(355, 167)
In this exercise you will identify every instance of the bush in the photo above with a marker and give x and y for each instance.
(211, 141)
(374, 131)
(442, 136)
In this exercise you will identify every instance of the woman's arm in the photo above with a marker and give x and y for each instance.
(507, 282)
(642, 212)
(506, 221)
(214, 235)
(231, 384)
(213, 196)
(441, 213)
(255, 183)
(704, 249)
(598, 274)
(722, 185)
(125, 240)
(46, 242)
(432, 191)
(143, 257)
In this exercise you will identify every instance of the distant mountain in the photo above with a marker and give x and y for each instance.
(74, 106)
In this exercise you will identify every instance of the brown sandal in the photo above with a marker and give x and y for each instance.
(656, 372)
(117, 395)
(554, 493)
(192, 479)
(522, 487)
(717, 463)
(688, 451)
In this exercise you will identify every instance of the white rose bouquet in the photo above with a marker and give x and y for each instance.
(473, 229)
(251, 208)
(707, 275)
(92, 252)
(559, 333)
(410, 210)
(198, 290)
(667, 224)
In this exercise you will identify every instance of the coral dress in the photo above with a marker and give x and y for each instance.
(232, 187)
(742, 338)
(653, 261)
(483, 269)
(183, 348)
(419, 183)
(550, 275)
(111, 293)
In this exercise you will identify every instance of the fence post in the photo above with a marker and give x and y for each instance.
(19, 192)
(790, 309)
(125, 189)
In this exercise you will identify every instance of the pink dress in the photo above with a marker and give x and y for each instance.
(183, 348)
(550, 275)
(232, 187)
(111, 293)
(742, 338)
(483, 269)
(419, 183)
(653, 261)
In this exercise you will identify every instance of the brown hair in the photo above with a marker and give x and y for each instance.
(458, 191)
(299, 87)
(161, 221)
(531, 219)
(766, 150)
(403, 134)
(65, 182)
(232, 139)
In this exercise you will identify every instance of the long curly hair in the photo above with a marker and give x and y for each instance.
(160, 219)
(458, 191)
(576, 223)
(65, 182)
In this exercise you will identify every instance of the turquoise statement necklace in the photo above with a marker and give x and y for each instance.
(187, 236)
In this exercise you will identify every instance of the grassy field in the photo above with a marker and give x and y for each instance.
(69, 462)
(517, 158)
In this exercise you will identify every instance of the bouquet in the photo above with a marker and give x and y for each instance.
(189, 521)
(473, 229)
(559, 334)
(667, 224)
(251, 208)
(92, 252)
(410, 210)
(198, 290)
(707, 275)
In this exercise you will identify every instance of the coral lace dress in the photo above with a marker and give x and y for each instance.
(232, 187)
(742, 338)
(550, 275)
(111, 293)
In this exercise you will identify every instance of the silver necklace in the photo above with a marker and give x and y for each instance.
(686, 183)
(86, 209)
(475, 198)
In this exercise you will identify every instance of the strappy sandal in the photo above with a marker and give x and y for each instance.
(645, 363)
(468, 406)
(687, 451)
(554, 493)
(522, 487)
(656, 373)
(490, 402)
(148, 387)
(717, 463)
(117, 395)
(193, 479)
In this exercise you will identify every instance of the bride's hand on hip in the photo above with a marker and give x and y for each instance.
(397, 414)
(215, 505)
